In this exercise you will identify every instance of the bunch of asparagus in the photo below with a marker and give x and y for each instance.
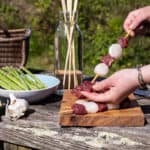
(19, 79)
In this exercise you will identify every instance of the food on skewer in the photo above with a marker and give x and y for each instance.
(84, 86)
(85, 107)
(108, 60)
(101, 69)
(123, 41)
(79, 109)
(115, 51)
(82, 107)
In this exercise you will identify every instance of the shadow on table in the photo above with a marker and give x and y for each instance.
(146, 109)
(50, 99)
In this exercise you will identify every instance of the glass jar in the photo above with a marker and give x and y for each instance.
(61, 46)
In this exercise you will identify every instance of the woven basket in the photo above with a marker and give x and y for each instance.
(14, 47)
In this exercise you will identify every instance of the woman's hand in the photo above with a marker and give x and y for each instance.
(135, 18)
(116, 88)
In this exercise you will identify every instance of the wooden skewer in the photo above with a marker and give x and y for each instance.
(67, 111)
(74, 66)
(68, 36)
(64, 9)
(94, 79)
(69, 7)
(69, 71)
(128, 34)
(70, 39)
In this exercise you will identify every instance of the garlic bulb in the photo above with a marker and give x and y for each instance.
(101, 69)
(16, 108)
(115, 51)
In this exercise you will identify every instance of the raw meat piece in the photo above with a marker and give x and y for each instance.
(79, 109)
(84, 86)
(88, 107)
(102, 107)
(108, 60)
(123, 42)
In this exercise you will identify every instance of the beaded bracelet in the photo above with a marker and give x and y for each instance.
(142, 84)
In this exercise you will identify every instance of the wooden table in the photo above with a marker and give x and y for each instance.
(40, 130)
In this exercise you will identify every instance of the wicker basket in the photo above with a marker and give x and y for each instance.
(14, 47)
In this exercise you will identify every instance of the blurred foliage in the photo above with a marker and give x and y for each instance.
(101, 22)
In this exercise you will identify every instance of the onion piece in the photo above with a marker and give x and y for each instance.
(91, 107)
(101, 69)
(115, 51)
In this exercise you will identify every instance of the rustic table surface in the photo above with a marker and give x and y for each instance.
(40, 130)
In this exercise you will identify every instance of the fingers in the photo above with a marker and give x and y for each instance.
(133, 20)
(98, 97)
(102, 85)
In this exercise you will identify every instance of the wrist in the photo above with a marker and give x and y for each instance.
(135, 78)
(141, 80)
(146, 73)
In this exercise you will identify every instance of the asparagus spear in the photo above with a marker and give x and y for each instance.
(15, 79)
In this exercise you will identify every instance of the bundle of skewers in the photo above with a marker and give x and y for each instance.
(69, 8)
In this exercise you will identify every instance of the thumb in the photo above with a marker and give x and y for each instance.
(102, 85)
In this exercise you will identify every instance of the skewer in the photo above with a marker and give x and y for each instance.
(69, 71)
(74, 66)
(67, 112)
(70, 39)
(69, 7)
(128, 34)
(95, 77)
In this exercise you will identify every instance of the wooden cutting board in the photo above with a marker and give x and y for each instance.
(132, 116)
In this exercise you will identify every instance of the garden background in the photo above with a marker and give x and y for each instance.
(101, 22)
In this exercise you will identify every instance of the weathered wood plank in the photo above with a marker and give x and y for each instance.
(40, 130)
(23, 148)
(8, 146)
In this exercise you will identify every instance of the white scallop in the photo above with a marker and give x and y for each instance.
(115, 50)
(101, 69)
(113, 106)
(91, 107)
(81, 101)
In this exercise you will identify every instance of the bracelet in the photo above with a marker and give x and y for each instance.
(142, 84)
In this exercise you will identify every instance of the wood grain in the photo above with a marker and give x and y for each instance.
(123, 117)
(43, 118)
(9, 146)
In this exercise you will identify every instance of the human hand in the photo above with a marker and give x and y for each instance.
(135, 18)
(115, 88)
